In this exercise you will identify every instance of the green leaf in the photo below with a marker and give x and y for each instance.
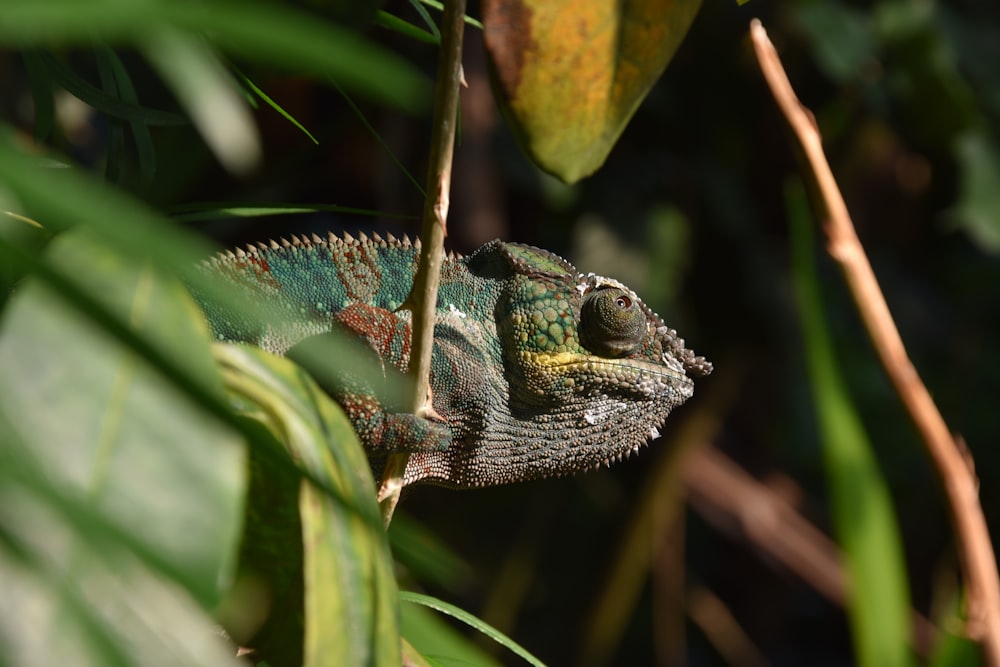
(79, 590)
(398, 25)
(864, 520)
(209, 94)
(471, 621)
(111, 105)
(440, 7)
(421, 552)
(842, 38)
(132, 227)
(350, 597)
(978, 210)
(213, 210)
(569, 75)
(265, 32)
(95, 418)
(274, 105)
(437, 641)
(41, 95)
(140, 130)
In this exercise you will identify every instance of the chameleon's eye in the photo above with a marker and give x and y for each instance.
(611, 323)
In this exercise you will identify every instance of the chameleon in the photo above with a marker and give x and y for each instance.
(538, 369)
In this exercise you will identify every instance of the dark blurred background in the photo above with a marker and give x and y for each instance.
(690, 211)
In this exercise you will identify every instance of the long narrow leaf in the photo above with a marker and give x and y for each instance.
(41, 93)
(140, 130)
(864, 519)
(396, 24)
(102, 101)
(274, 105)
(350, 591)
(213, 210)
(473, 622)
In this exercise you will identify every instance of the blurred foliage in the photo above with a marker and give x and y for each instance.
(690, 207)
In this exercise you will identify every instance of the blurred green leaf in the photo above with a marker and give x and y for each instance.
(78, 590)
(350, 602)
(841, 37)
(112, 105)
(131, 226)
(41, 94)
(933, 97)
(209, 94)
(426, 556)
(863, 516)
(140, 131)
(978, 207)
(95, 417)
(266, 32)
(954, 651)
(569, 76)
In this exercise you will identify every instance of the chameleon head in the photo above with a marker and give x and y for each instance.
(592, 372)
(575, 338)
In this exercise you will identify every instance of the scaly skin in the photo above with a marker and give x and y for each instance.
(538, 370)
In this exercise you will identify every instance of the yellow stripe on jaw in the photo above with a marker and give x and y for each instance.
(566, 361)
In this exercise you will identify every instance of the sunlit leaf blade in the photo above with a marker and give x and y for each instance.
(213, 210)
(569, 75)
(96, 418)
(277, 107)
(264, 32)
(437, 641)
(863, 515)
(350, 591)
(471, 621)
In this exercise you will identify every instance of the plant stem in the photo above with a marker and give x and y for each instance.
(952, 460)
(422, 300)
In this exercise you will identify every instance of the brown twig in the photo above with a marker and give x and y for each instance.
(422, 300)
(743, 508)
(721, 628)
(960, 483)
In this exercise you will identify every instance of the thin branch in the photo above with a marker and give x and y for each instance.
(721, 628)
(423, 298)
(953, 462)
(743, 508)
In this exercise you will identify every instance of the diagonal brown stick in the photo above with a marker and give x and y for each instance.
(952, 461)
(423, 297)
(743, 508)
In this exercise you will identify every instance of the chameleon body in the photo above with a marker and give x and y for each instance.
(538, 370)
